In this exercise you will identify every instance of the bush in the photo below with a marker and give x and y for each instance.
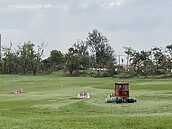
(76, 74)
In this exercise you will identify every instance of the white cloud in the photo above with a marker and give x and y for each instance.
(83, 5)
(24, 6)
(38, 6)
(113, 3)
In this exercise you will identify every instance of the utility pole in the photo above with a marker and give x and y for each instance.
(119, 59)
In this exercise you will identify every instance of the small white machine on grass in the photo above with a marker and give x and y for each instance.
(82, 95)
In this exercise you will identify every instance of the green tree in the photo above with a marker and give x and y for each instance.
(36, 62)
(7, 60)
(135, 63)
(27, 55)
(10, 61)
(24, 59)
(129, 51)
(72, 60)
(82, 50)
(30, 59)
(141, 63)
(160, 60)
(46, 64)
(101, 52)
(169, 51)
(146, 63)
(57, 59)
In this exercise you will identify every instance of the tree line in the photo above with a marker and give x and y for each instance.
(157, 61)
(94, 54)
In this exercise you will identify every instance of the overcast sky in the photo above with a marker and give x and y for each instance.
(139, 24)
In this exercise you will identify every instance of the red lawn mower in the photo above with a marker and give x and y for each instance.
(121, 94)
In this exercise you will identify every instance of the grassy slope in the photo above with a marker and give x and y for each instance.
(49, 103)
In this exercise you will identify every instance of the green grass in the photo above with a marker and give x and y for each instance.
(49, 102)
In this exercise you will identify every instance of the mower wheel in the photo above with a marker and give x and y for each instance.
(119, 101)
